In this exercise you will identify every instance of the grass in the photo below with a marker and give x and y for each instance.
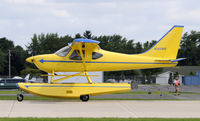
(9, 91)
(99, 119)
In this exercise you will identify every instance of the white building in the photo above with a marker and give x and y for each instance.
(79, 79)
(163, 78)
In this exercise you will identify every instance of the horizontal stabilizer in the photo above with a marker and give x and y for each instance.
(179, 59)
(169, 60)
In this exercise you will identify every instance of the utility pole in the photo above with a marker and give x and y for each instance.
(9, 55)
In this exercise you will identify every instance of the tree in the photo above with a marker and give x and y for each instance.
(2, 62)
(138, 47)
(6, 45)
(18, 56)
(189, 48)
(31, 71)
(34, 48)
(47, 43)
(87, 34)
(78, 35)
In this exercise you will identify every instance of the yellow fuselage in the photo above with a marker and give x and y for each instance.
(110, 61)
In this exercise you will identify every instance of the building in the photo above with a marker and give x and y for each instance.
(163, 78)
(192, 80)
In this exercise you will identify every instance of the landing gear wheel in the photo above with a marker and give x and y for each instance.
(85, 98)
(20, 97)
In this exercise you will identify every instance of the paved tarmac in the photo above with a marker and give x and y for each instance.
(149, 97)
(102, 108)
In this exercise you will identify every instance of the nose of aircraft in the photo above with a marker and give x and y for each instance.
(30, 59)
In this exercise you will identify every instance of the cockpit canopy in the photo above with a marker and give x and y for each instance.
(63, 52)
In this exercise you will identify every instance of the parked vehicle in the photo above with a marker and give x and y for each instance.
(9, 83)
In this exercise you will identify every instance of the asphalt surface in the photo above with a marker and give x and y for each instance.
(150, 97)
(126, 109)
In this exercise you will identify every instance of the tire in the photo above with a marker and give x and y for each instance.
(20, 97)
(85, 98)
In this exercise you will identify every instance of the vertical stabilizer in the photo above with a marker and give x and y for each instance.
(168, 45)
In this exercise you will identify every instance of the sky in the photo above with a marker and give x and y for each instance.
(141, 20)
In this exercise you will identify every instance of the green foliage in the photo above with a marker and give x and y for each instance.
(6, 45)
(116, 43)
(138, 47)
(31, 71)
(18, 56)
(88, 34)
(2, 61)
(78, 35)
(47, 43)
(190, 48)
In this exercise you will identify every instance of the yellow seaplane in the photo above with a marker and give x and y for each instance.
(85, 55)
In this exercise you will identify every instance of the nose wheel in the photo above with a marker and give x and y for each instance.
(85, 98)
(20, 97)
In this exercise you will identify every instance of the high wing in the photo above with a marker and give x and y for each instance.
(85, 44)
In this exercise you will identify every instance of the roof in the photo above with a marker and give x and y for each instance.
(164, 73)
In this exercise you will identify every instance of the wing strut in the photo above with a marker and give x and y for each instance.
(66, 77)
(84, 65)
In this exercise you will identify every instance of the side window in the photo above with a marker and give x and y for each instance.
(2, 81)
(11, 81)
(96, 55)
(76, 55)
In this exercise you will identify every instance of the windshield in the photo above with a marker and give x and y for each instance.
(63, 51)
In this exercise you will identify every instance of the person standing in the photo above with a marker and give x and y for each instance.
(177, 86)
